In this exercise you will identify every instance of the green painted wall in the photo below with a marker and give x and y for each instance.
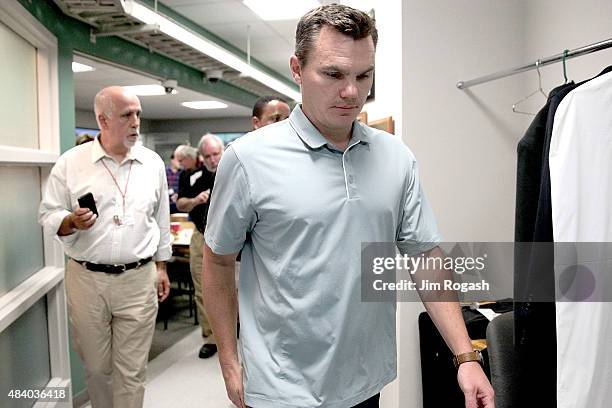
(66, 96)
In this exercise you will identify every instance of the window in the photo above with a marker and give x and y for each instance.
(33, 326)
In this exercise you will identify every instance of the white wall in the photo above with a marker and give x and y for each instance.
(555, 25)
(388, 102)
(465, 142)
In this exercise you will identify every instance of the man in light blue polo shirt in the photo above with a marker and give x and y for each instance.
(310, 190)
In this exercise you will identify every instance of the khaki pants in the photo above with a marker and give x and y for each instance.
(113, 319)
(196, 253)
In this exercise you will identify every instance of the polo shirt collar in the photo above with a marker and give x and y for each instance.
(98, 152)
(311, 136)
(360, 132)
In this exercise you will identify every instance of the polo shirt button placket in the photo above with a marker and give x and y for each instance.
(350, 178)
(352, 186)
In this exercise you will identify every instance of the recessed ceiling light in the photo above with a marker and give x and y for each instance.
(270, 10)
(204, 105)
(148, 90)
(78, 67)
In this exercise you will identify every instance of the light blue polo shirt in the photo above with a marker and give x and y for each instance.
(307, 338)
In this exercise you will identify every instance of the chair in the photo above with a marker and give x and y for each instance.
(179, 273)
(503, 360)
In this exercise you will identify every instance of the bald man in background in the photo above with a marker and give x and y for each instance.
(112, 285)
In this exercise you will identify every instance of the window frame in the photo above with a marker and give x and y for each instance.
(48, 281)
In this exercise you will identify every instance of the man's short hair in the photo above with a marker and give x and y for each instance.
(185, 150)
(344, 19)
(103, 105)
(261, 103)
(209, 138)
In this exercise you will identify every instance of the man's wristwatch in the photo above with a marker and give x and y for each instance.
(466, 357)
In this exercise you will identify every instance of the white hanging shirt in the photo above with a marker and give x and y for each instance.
(581, 190)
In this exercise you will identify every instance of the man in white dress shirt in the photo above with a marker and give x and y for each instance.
(116, 273)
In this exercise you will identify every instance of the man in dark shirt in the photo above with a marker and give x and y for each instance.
(269, 109)
(187, 157)
(195, 187)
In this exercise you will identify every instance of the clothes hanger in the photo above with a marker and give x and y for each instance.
(565, 52)
(537, 91)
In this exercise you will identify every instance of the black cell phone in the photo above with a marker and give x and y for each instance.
(87, 201)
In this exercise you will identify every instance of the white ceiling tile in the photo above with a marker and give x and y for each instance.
(262, 42)
(239, 30)
(279, 64)
(173, 3)
(284, 28)
(216, 13)
(270, 45)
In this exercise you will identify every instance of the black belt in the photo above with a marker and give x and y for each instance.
(116, 268)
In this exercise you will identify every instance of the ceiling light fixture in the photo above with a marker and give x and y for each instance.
(270, 10)
(148, 90)
(204, 105)
(205, 46)
(78, 67)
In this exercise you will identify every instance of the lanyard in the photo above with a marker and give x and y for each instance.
(123, 193)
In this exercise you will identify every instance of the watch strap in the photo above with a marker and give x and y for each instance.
(467, 357)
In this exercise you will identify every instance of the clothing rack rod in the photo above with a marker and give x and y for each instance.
(542, 62)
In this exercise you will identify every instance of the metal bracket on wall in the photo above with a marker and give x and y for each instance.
(101, 32)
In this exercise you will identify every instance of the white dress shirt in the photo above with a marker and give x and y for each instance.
(581, 190)
(143, 230)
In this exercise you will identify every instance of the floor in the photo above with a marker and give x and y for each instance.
(180, 324)
(178, 378)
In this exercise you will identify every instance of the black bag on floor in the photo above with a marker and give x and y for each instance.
(440, 388)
